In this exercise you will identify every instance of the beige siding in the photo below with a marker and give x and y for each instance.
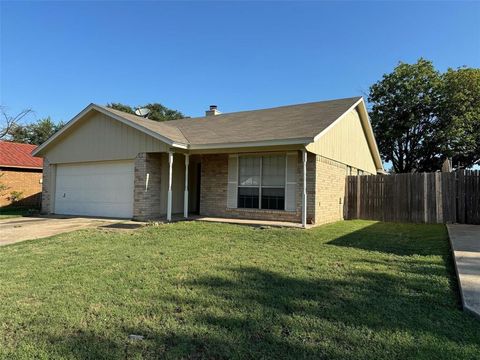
(97, 138)
(346, 143)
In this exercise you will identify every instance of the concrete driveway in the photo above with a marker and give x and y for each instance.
(465, 241)
(26, 228)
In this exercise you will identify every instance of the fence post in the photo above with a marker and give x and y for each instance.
(358, 195)
(425, 198)
(438, 198)
(461, 196)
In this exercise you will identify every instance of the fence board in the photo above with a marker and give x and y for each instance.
(418, 198)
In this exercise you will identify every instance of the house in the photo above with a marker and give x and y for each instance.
(287, 163)
(20, 173)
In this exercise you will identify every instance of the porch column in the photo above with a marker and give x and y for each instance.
(169, 198)
(304, 192)
(185, 195)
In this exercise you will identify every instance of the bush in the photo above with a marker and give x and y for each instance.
(16, 196)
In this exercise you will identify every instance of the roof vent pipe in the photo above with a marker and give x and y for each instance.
(213, 111)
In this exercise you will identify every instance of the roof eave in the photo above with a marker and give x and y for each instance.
(372, 143)
(102, 110)
(21, 167)
(266, 143)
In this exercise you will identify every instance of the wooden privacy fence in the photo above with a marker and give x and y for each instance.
(420, 198)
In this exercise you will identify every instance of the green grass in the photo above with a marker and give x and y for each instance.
(350, 290)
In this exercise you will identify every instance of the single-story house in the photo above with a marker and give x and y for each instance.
(286, 163)
(20, 173)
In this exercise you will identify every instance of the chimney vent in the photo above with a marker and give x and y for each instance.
(213, 111)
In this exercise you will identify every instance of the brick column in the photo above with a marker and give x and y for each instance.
(147, 185)
(48, 187)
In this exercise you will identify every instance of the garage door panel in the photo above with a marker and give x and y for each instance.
(95, 189)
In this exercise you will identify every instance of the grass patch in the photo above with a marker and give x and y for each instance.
(350, 290)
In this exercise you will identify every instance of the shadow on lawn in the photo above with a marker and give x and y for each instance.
(397, 239)
(249, 312)
(277, 316)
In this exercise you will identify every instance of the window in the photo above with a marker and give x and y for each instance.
(261, 182)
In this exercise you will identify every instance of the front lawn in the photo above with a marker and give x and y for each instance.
(350, 290)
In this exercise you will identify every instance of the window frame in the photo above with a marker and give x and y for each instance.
(260, 183)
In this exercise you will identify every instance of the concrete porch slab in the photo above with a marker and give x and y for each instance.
(248, 222)
(465, 243)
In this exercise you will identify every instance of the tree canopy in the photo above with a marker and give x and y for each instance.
(421, 116)
(158, 112)
(35, 133)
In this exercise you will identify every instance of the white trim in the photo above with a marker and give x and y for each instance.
(62, 130)
(169, 196)
(371, 139)
(372, 144)
(140, 128)
(304, 195)
(296, 141)
(286, 182)
(185, 194)
(112, 115)
(260, 183)
(319, 135)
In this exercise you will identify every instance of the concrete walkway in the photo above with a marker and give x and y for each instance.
(465, 242)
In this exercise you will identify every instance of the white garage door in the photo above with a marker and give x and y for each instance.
(95, 189)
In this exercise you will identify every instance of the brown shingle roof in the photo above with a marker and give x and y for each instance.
(280, 123)
(160, 127)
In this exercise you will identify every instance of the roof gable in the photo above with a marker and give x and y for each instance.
(299, 124)
(302, 122)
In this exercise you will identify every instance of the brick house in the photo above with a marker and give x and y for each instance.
(20, 172)
(287, 163)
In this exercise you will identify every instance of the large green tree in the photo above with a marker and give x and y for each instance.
(459, 115)
(35, 133)
(420, 116)
(158, 112)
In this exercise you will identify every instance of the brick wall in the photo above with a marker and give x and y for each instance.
(23, 180)
(329, 190)
(147, 199)
(213, 193)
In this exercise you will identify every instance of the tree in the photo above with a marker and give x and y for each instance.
(158, 112)
(420, 116)
(35, 133)
(3, 187)
(9, 122)
(460, 116)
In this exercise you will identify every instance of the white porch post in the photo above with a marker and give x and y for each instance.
(185, 195)
(169, 198)
(304, 192)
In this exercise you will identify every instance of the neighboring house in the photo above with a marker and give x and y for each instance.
(287, 163)
(21, 173)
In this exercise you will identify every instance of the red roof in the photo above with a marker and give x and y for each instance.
(18, 155)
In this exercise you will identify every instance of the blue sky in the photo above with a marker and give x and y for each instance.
(57, 57)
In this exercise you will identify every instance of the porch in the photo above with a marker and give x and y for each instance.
(173, 186)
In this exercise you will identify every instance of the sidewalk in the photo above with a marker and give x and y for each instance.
(465, 242)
